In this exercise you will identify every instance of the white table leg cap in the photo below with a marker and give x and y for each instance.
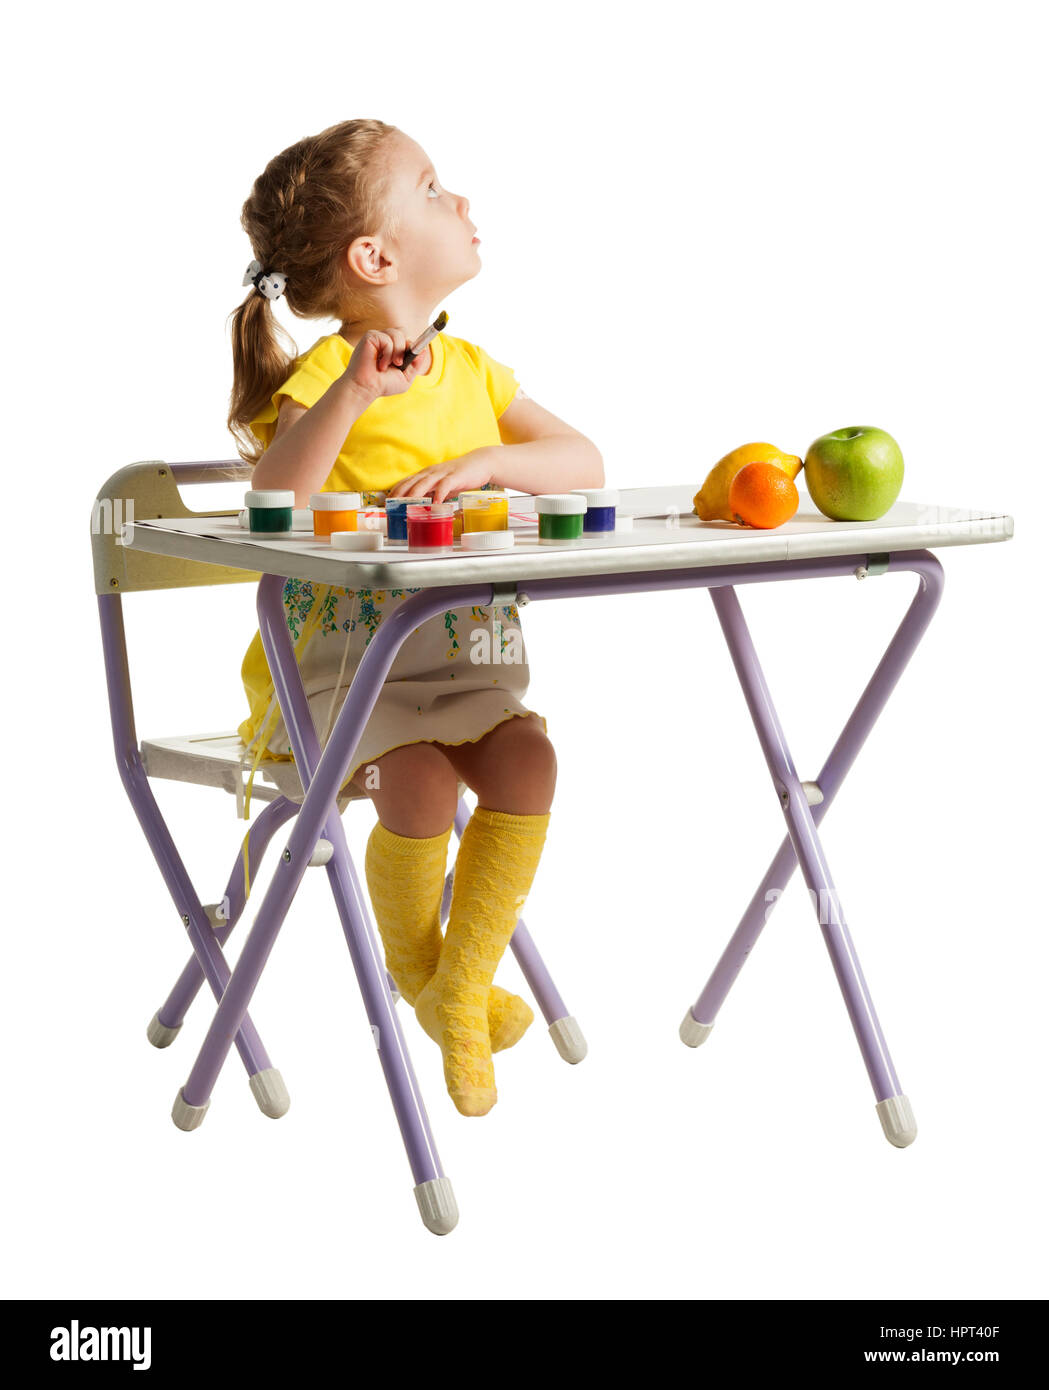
(897, 1120)
(568, 1039)
(270, 1092)
(692, 1033)
(437, 1207)
(159, 1034)
(188, 1116)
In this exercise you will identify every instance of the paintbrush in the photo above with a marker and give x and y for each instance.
(417, 347)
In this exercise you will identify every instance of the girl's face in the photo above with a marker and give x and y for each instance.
(435, 250)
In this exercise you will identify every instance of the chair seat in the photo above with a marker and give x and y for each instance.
(221, 760)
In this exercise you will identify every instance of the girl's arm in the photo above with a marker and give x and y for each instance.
(307, 442)
(545, 454)
(538, 453)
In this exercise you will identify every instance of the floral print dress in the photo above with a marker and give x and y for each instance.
(455, 677)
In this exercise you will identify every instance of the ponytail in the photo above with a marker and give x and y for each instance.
(263, 354)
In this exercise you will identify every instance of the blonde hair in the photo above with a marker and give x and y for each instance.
(305, 208)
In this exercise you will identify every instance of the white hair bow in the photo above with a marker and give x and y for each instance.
(270, 283)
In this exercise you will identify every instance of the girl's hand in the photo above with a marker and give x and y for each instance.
(373, 370)
(444, 480)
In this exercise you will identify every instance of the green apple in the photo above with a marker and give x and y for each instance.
(854, 474)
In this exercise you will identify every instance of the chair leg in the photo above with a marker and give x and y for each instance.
(564, 1030)
(264, 1079)
(171, 1015)
(803, 844)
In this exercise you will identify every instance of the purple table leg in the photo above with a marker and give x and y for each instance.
(323, 776)
(262, 1075)
(803, 844)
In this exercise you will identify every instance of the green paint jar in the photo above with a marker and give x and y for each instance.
(560, 517)
(270, 511)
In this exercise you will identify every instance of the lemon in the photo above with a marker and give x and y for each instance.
(711, 501)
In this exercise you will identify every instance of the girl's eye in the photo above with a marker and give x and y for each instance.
(433, 186)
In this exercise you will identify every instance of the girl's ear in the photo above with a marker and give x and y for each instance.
(365, 259)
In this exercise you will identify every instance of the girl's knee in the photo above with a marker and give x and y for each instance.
(414, 788)
(520, 768)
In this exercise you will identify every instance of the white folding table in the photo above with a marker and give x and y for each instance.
(665, 547)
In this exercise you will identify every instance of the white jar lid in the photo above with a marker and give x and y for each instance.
(357, 540)
(488, 540)
(560, 503)
(242, 518)
(599, 496)
(335, 501)
(396, 502)
(272, 497)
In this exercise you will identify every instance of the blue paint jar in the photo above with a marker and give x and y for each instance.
(397, 517)
(601, 503)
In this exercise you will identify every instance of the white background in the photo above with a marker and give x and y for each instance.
(700, 225)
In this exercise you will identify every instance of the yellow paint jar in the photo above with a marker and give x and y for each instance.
(485, 509)
(334, 511)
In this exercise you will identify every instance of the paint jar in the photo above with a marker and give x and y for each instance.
(485, 509)
(560, 517)
(334, 511)
(431, 528)
(269, 511)
(372, 519)
(396, 517)
(373, 497)
(601, 503)
(301, 519)
(488, 540)
(356, 540)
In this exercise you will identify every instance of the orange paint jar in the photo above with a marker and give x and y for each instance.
(334, 511)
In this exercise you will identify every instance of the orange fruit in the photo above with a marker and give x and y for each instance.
(711, 501)
(762, 495)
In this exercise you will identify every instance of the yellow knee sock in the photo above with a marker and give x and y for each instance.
(498, 857)
(406, 885)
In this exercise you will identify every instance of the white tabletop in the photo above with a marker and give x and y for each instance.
(665, 534)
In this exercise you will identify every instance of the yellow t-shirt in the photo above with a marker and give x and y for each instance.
(445, 413)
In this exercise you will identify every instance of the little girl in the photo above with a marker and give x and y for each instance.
(352, 225)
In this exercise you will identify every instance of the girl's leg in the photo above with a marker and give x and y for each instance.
(513, 771)
(415, 793)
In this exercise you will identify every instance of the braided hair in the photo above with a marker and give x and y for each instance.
(306, 207)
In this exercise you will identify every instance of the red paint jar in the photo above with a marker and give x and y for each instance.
(431, 528)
